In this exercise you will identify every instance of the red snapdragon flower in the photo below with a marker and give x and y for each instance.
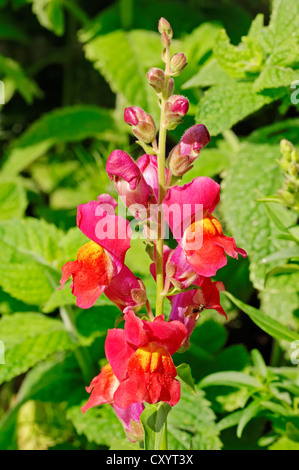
(102, 388)
(140, 359)
(202, 244)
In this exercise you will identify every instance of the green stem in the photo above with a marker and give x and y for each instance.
(162, 191)
(164, 443)
(81, 354)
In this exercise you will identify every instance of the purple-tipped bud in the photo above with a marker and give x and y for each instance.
(178, 63)
(164, 27)
(144, 127)
(175, 108)
(156, 78)
(195, 139)
(182, 156)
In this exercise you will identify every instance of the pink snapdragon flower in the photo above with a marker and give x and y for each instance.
(100, 262)
(130, 183)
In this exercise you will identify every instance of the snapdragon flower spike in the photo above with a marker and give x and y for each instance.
(102, 388)
(102, 258)
(143, 125)
(175, 108)
(140, 357)
(187, 306)
(130, 183)
(183, 155)
(200, 235)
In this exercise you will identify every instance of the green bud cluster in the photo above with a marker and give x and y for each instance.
(289, 163)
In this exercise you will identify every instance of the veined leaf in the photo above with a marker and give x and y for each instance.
(254, 171)
(70, 124)
(125, 71)
(28, 339)
(13, 200)
(223, 105)
(238, 61)
(191, 423)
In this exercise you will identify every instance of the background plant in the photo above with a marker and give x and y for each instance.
(65, 90)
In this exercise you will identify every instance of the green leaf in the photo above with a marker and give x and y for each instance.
(283, 443)
(230, 379)
(49, 14)
(272, 134)
(259, 363)
(254, 171)
(283, 32)
(250, 412)
(15, 79)
(13, 201)
(191, 423)
(274, 76)
(125, 71)
(184, 372)
(266, 323)
(229, 421)
(70, 124)
(98, 424)
(292, 432)
(153, 421)
(287, 253)
(238, 61)
(31, 255)
(211, 73)
(28, 339)
(224, 105)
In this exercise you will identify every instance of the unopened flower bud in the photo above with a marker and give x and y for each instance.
(294, 169)
(143, 125)
(177, 164)
(286, 149)
(165, 40)
(287, 197)
(175, 108)
(156, 78)
(194, 139)
(164, 27)
(170, 87)
(178, 63)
